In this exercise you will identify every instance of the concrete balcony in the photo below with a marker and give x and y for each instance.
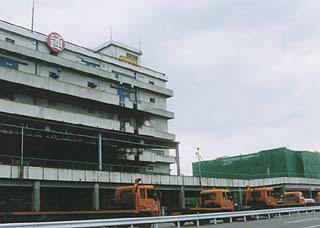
(144, 130)
(57, 86)
(42, 56)
(129, 128)
(164, 135)
(165, 159)
(150, 108)
(33, 111)
(151, 131)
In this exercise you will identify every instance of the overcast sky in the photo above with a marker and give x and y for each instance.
(245, 73)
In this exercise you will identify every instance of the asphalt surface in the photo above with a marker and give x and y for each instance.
(294, 221)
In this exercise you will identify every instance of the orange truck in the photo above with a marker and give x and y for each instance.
(129, 201)
(260, 198)
(317, 201)
(210, 201)
(295, 199)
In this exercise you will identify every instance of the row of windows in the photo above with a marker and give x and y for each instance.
(95, 65)
(131, 56)
(121, 92)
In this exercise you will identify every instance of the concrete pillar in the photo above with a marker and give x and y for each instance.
(100, 151)
(36, 196)
(240, 197)
(178, 159)
(182, 198)
(22, 154)
(95, 197)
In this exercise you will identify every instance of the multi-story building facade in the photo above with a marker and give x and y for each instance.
(62, 102)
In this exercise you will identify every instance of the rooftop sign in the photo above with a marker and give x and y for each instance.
(56, 42)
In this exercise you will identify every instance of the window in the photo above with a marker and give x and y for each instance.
(151, 82)
(117, 74)
(131, 56)
(10, 40)
(256, 194)
(142, 193)
(53, 75)
(152, 100)
(10, 63)
(92, 85)
(211, 196)
(90, 64)
(152, 195)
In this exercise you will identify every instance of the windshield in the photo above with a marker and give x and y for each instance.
(270, 193)
(211, 196)
(152, 194)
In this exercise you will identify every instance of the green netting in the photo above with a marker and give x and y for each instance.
(280, 162)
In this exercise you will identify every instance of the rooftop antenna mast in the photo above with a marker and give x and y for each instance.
(140, 42)
(110, 32)
(32, 19)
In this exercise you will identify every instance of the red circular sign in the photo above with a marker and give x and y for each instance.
(56, 42)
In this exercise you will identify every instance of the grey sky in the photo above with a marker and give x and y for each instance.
(245, 73)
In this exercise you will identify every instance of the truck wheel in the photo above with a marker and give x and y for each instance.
(201, 222)
(181, 223)
(145, 225)
(226, 220)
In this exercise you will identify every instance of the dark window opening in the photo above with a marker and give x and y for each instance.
(53, 75)
(151, 82)
(6, 94)
(10, 40)
(53, 53)
(152, 100)
(92, 85)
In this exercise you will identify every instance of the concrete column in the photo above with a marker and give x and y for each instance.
(178, 159)
(95, 197)
(22, 153)
(36, 196)
(240, 197)
(100, 151)
(182, 198)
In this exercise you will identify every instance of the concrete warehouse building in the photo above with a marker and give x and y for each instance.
(75, 123)
(66, 106)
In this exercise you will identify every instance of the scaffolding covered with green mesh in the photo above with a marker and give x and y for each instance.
(280, 162)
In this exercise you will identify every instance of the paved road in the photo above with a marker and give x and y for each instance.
(302, 221)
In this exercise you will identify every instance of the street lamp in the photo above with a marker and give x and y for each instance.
(199, 160)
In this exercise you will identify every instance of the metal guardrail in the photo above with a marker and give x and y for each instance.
(164, 219)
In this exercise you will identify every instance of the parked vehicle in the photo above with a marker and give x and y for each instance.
(129, 201)
(210, 201)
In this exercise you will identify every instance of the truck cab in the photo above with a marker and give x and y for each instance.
(260, 198)
(142, 199)
(219, 199)
(293, 199)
